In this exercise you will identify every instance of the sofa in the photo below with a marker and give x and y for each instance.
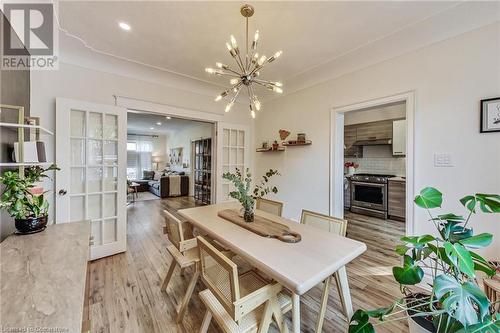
(160, 185)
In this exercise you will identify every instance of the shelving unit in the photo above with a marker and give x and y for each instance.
(270, 150)
(20, 126)
(283, 147)
(299, 143)
(203, 171)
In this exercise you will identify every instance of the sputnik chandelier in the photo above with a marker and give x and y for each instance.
(248, 72)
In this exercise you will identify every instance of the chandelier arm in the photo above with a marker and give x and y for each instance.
(262, 84)
(249, 96)
(229, 74)
(231, 70)
(242, 66)
(263, 81)
(236, 94)
(246, 54)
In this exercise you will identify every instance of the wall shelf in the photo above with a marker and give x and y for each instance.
(270, 150)
(305, 143)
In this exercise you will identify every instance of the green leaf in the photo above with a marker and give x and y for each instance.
(401, 249)
(360, 323)
(418, 241)
(460, 257)
(478, 241)
(409, 274)
(429, 198)
(461, 300)
(450, 217)
(481, 264)
(489, 203)
(469, 202)
(488, 325)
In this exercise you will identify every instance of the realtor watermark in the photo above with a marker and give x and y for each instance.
(29, 36)
(41, 329)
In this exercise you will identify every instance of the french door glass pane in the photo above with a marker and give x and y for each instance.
(110, 126)
(77, 123)
(241, 138)
(109, 205)
(109, 231)
(225, 155)
(110, 179)
(77, 208)
(94, 180)
(225, 137)
(232, 138)
(77, 184)
(96, 232)
(77, 152)
(95, 152)
(111, 152)
(94, 208)
(95, 125)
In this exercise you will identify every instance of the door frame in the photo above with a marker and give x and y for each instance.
(138, 105)
(337, 152)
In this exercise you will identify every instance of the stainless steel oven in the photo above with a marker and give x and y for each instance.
(369, 195)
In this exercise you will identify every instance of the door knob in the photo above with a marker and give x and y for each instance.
(62, 192)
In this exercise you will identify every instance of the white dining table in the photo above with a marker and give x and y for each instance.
(297, 266)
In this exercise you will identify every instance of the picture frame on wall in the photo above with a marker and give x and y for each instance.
(490, 115)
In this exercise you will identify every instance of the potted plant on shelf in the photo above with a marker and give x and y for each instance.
(456, 303)
(351, 167)
(23, 200)
(243, 185)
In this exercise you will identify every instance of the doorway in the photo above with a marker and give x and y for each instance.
(375, 183)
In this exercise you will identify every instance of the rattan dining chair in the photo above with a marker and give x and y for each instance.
(337, 226)
(184, 254)
(270, 206)
(238, 303)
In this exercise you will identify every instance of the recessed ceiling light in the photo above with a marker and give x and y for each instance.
(168, 117)
(124, 26)
(151, 128)
(158, 123)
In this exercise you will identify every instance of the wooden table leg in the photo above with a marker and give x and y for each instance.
(324, 304)
(345, 294)
(295, 313)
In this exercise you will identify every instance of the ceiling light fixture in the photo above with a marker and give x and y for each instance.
(158, 123)
(168, 117)
(248, 71)
(124, 26)
(151, 128)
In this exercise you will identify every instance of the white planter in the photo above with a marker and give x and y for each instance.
(351, 170)
(415, 327)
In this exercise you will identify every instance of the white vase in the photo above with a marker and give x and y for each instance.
(350, 170)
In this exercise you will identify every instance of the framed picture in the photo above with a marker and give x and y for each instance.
(490, 115)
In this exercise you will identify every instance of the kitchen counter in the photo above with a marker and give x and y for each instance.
(43, 279)
(397, 179)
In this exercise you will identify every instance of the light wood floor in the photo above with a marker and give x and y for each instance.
(125, 289)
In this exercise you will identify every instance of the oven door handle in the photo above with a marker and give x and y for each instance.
(368, 184)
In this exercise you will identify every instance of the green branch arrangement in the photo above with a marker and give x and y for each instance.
(242, 193)
(17, 198)
(456, 303)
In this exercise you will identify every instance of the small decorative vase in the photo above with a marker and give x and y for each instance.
(247, 213)
(351, 170)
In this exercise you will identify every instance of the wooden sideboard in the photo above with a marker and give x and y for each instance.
(44, 279)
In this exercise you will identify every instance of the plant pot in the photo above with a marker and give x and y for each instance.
(351, 171)
(30, 225)
(419, 324)
(247, 214)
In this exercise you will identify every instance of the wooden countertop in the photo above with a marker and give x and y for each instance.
(43, 278)
(397, 179)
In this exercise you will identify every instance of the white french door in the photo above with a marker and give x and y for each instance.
(91, 185)
(233, 151)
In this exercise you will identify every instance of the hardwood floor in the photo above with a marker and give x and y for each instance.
(125, 288)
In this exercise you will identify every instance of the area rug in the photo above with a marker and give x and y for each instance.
(145, 196)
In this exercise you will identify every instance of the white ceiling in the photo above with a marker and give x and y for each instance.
(185, 37)
(141, 123)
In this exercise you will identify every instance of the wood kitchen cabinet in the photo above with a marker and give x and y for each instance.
(396, 199)
(374, 130)
(349, 139)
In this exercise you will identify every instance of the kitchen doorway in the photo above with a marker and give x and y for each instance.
(376, 137)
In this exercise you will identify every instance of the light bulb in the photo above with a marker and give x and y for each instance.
(256, 102)
(277, 54)
(252, 113)
(278, 90)
(210, 70)
(256, 55)
(262, 60)
(278, 84)
(234, 81)
(256, 36)
(229, 106)
(233, 42)
(229, 47)
(218, 98)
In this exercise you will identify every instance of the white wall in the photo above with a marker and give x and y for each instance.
(72, 81)
(449, 79)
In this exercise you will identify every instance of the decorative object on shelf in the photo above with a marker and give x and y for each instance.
(291, 143)
(490, 115)
(301, 137)
(351, 167)
(456, 303)
(242, 185)
(276, 145)
(248, 71)
(283, 134)
(265, 145)
(23, 200)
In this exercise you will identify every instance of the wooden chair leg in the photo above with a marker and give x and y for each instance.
(206, 322)
(345, 294)
(339, 289)
(324, 304)
(267, 316)
(187, 296)
(169, 276)
(278, 315)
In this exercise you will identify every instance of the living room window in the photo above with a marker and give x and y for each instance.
(139, 156)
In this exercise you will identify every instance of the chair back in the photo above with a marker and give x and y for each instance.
(324, 222)
(177, 230)
(220, 275)
(270, 206)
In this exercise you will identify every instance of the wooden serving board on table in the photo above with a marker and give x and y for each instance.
(262, 226)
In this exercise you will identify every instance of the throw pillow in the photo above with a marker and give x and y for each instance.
(157, 175)
(148, 175)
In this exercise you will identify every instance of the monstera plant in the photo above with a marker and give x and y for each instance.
(243, 183)
(456, 302)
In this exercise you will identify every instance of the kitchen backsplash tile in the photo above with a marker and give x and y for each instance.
(379, 159)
